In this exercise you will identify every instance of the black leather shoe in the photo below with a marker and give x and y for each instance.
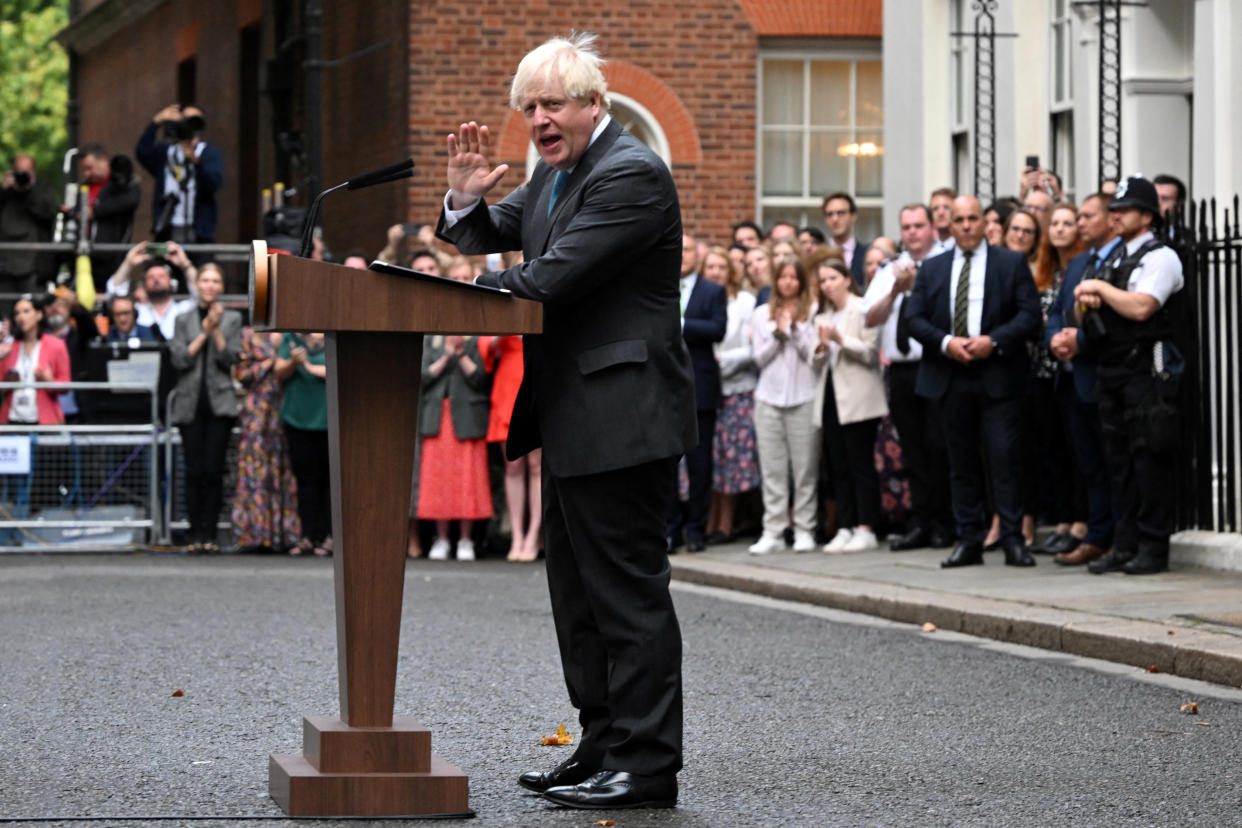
(993, 546)
(1064, 544)
(1114, 561)
(1146, 563)
(615, 790)
(916, 538)
(964, 554)
(941, 539)
(719, 538)
(570, 772)
(1016, 554)
(695, 546)
(1043, 547)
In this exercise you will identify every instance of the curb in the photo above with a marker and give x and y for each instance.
(1195, 654)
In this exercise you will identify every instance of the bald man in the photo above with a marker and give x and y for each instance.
(973, 309)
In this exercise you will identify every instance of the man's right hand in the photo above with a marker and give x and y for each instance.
(137, 254)
(470, 173)
(903, 277)
(172, 112)
(957, 350)
(10, 182)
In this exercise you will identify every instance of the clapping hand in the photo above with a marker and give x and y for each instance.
(212, 320)
(43, 374)
(470, 173)
(903, 276)
(829, 333)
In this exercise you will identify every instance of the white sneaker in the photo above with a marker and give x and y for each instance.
(767, 544)
(803, 541)
(837, 544)
(860, 540)
(465, 550)
(439, 550)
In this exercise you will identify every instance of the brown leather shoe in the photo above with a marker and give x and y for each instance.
(1085, 553)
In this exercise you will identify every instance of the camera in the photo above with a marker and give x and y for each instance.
(163, 219)
(183, 130)
(21, 178)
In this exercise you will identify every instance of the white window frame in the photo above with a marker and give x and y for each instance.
(961, 81)
(810, 202)
(1061, 148)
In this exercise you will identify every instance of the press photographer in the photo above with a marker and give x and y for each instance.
(187, 172)
(27, 212)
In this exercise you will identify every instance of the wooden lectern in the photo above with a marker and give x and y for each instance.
(368, 762)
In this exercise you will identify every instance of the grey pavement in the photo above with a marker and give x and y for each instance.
(794, 714)
(1187, 621)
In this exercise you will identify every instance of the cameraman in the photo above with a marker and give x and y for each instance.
(27, 214)
(187, 173)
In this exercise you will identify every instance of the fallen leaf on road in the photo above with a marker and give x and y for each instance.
(1202, 724)
(1172, 632)
(929, 626)
(604, 822)
(1153, 669)
(559, 738)
(178, 693)
(1191, 708)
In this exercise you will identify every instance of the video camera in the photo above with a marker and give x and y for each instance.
(184, 129)
(21, 178)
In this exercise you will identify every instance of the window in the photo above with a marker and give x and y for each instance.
(821, 129)
(963, 172)
(1061, 106)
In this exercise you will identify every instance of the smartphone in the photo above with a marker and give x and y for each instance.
(157, 250)
(1032, 162)
(11, 375)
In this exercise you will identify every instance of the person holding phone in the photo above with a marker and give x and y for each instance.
(32, 355)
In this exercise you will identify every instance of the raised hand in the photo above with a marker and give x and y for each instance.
(470, 173)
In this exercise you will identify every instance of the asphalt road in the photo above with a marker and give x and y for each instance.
(793, 715)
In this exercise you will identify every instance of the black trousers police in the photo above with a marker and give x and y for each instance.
(1141, 476)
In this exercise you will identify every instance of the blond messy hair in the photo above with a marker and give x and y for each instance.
(573, 61)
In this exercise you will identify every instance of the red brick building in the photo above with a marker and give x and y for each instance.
(759, 106)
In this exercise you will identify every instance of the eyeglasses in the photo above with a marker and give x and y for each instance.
(1023, 231)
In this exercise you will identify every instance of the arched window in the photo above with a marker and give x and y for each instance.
(636, 119)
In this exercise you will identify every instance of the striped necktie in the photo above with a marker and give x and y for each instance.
(962, 299)
(558, 185)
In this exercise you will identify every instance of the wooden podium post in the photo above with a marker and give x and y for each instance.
(368, 762)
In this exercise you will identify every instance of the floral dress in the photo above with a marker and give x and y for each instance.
(265, 501)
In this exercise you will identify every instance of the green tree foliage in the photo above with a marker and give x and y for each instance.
(34, 83)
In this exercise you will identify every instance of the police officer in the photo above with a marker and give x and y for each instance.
(1125, 313)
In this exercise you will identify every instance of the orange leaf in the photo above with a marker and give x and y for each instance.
(1153, 669)
(604, 822)
(178, 693)
(1190, 708)
(929, 626)
(559, 738)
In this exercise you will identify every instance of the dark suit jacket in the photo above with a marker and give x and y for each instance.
(607, 385)
(859, 261)
(1010, 315)
(704, 325)
(1062, 313)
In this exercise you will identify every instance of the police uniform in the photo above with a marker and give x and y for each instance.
(1136, 387)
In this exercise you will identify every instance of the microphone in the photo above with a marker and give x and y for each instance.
(394, 172)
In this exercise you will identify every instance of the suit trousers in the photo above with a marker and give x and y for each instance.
(620, 643)
(849, 450)
(920, 430)
(1082, 420)
(692, 517)
(1141, 477)
(789, 446)
(970, 413)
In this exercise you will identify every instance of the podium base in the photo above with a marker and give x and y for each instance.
(302, 790)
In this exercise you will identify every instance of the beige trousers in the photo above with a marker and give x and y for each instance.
(789, 446)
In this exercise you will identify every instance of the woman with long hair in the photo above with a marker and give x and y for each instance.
(1023, 233)
(735, 459)
(783, 340)
(760, 273)
(32, 355)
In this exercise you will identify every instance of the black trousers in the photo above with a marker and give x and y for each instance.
(969, 413)
(692, 515)
(1087, 436)
(1051, 484)
(204, 442)
(1141, 477)
(849, 453)
(920, 430)
(308, 459)
(620, 642)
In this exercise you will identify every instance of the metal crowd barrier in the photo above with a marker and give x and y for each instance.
(81, 487)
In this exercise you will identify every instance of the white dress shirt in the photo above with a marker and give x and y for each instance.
(881, 286)
(737, 364)
(974, 298)
(942, 246)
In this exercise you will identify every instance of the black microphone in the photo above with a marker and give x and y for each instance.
(402, 169)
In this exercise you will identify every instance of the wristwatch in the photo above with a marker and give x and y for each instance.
(995, 346)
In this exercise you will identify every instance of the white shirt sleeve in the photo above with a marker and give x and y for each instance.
(881, 285)
(1159, 275)
(452, 216)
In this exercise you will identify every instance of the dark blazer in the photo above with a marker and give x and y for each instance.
(469, 396)
(857, 264)
(703, 326)
(1083, 375)
(1011, 316)
(607, 385)
(152, 153)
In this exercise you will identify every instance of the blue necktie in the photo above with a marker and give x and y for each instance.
(558, 184)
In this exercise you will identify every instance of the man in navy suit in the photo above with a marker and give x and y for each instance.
(608, 394)
(974, 309)
(1076, 380)
(704, 316)
(840, 215)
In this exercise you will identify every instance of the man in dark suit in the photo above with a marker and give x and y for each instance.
(840, 215)
(704, 316)
(608, 394)
(974, 309)
(1075, 383)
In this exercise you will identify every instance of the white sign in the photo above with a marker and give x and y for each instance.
(15, 454)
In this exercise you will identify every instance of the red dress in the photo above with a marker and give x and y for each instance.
(505, 381)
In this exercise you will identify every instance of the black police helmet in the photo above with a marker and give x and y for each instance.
(1136, 191)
